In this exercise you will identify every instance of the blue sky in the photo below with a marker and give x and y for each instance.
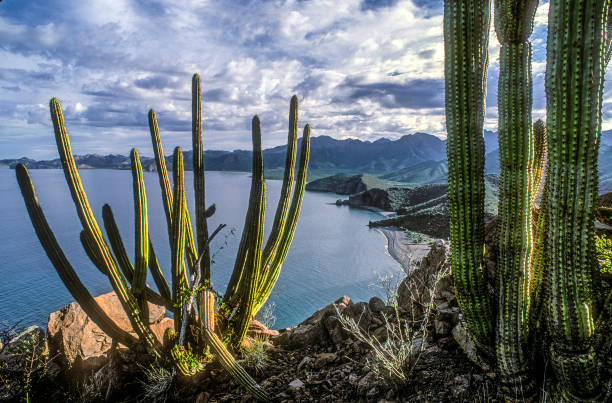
(361, 68)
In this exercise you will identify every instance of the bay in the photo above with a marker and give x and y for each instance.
(333, 253)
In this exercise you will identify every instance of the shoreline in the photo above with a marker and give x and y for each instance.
(404, 249)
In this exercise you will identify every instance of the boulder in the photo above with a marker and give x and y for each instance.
(258, 329)
(83, 347)
(414, 292)
(321, 328)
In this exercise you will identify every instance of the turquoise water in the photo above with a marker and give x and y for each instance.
(334, 253)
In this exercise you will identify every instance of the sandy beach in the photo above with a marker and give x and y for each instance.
(404, 249)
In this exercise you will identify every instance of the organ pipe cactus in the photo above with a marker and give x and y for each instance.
(518, 181)
(255, 272)
(556, 284)
(466, 27)
(576, 61)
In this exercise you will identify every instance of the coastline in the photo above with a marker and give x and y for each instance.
(404, 249)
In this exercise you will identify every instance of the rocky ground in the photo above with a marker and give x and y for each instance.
(320, 359)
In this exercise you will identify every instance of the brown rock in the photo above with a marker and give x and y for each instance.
(258, 329)
(82, 346)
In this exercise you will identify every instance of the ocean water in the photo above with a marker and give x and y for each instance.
(334, 253)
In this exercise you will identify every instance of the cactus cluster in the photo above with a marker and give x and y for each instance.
(189, 295)
(547, 274)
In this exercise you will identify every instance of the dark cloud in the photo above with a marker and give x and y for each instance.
(156, 82)
(414, 94)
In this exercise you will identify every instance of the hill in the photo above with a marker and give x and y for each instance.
(345, 184)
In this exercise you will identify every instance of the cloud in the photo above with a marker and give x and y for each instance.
(361, 68)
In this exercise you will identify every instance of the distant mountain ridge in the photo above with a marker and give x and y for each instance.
(327, 153)
(418, 158)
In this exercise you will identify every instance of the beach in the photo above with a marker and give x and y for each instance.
(406, 251)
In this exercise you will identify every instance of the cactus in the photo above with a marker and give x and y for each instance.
(466, 28)
(576, 60)
(518, 181)
(63, 267)
(255, 271)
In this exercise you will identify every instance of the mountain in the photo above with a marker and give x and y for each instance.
(326, 153)
(423, 172)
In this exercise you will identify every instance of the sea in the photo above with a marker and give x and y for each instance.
(333, 253)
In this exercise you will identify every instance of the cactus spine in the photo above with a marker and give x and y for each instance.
(466, 28)
(513, 24)
(576, 59)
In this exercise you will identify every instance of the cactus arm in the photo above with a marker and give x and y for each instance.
(141, 253)
(120, 253)
(272, 273)
(575, 74)
(90, 225)
(179, 275)
(253, 239)
(158, 275)
(116, 242)
(198, 176)
(90, 251)
(166, 189)
(466, 28)
(207, 315)
(62, 265)
(282, 209)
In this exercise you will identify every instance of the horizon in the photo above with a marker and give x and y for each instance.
(371, 69)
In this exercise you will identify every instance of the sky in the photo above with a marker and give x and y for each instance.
(361, 69)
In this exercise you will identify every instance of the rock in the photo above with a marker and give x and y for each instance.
(466, 343)
(32, 337)
(381, 334)
(376, 304)
(414, 292)
(306, 362)
(441, 328)
(82, 346)
(323, 359)
(296, 384)
(258, 329)
(321, 328)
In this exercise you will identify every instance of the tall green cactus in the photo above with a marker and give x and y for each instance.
(256, 268)
(576, 60)
(513, 24)
(466, 39)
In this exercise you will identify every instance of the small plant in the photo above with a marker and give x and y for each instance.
(254, 354)
(26, 362)
(389, 282)
(156, 383)
(603, 244)
(394, 358)
(266, 316)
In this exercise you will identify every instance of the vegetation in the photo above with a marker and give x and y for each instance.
(551, 285)
(190, 293)
(603, 244)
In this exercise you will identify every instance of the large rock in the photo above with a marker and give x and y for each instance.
(82, 346)
(321, 328)
(414, 292)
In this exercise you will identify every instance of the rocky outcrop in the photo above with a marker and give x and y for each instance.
(81, 346)
(346, 185)
(378, 198)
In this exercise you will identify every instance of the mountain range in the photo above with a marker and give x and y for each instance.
(416, 158)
